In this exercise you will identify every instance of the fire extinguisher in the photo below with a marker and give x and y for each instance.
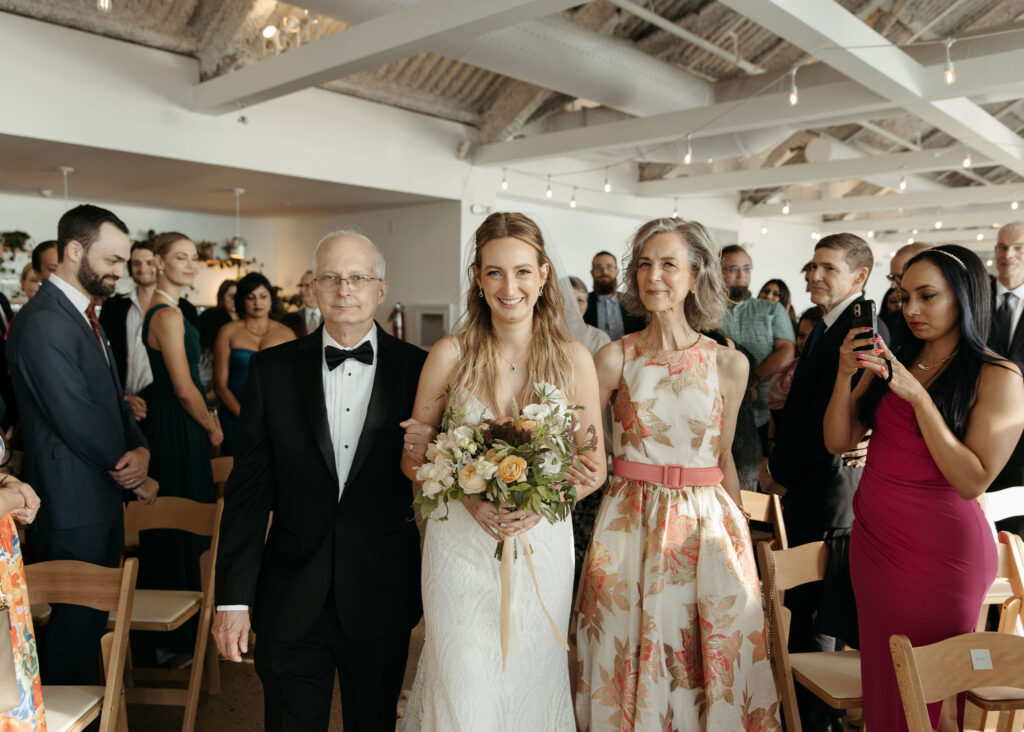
(397, 320)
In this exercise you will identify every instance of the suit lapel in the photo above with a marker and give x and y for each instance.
(385, 379)
(79, 320)
(309, 368)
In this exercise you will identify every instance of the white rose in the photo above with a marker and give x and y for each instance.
(431, 488)
(470, 480)
(463, 437)
(538, 412)
(549, 463)
(486, 468)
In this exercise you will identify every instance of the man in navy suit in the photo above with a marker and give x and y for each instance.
(83, 450)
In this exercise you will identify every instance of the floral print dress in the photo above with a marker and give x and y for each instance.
(28, 715)
(670, 632)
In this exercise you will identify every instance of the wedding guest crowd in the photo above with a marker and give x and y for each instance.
(677, 370)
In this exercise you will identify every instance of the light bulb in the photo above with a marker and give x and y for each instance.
(764, 229)
(1015, 205)
(950, 73)
(675, 208)
(815, 235)
(607, 183)
(967, 160)
(910, 240)
(103, 5)
(914, 232)
(270, 31)
(688, 158)
(988, 262)
(980, 237)
(504, 181)
(871, 234)
(938, 223)
(892, 253)
(794, 93)
(572, 201)
(549, 193)
(785, 207)
(903, 182)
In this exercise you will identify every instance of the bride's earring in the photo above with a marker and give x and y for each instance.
(540, 292)
(480, 291)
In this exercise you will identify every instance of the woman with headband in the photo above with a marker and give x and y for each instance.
(946, 413)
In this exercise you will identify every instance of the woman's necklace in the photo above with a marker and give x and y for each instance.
(257, 334)
(511, 364)
(161, 292)
(938, 363)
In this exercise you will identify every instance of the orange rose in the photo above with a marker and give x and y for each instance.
(492, 454)
(511, 469)
(527, 425)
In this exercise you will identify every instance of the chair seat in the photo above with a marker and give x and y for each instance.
(71, 707)
(996, 698)
(833, 677)
(161, 609)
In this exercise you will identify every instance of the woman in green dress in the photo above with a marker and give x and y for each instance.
(179, 427)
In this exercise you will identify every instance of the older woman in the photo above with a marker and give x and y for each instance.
(238, 341)
(670, 597)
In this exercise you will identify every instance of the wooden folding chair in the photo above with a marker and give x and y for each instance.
(767, 508)
(167, 610)
(833, 677)
(1004, 504)
(73, 708)
(1007, 589)
(221, 467)
(928, 674)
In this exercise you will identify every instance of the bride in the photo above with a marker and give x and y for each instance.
(512, 337)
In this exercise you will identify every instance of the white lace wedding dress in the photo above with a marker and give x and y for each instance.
(460, 685)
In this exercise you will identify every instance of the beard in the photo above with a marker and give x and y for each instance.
(93, 282)
(739, 293)
(604, 288)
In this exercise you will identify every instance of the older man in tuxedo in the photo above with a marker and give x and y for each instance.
(336, 586)
(83, 450)
(1007, 338)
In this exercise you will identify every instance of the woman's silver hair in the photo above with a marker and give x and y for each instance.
(705, 305)
(378, 255)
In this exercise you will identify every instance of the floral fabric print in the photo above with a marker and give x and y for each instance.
(28, 716)
(670, 633)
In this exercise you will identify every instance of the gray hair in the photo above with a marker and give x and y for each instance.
(378, 255)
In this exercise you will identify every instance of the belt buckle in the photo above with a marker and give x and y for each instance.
(672, 476)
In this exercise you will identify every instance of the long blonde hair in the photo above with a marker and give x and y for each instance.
(551, 349)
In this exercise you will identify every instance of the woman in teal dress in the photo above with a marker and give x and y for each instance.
(238, 341)
(179, 426)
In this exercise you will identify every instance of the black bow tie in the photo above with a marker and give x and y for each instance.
(336, 356)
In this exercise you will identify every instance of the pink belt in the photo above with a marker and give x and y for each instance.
(670, 476)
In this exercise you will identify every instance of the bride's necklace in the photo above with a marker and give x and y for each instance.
(512, 365)
(255, 333)
(938, 363)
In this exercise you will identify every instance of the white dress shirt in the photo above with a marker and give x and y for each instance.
(140, 374)
(79, 300)
(833, 315)
(347, 395)
(347, 392)
(1016, 303)
(311, 318)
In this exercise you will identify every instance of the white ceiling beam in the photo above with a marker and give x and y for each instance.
(423, 26)
(935, 200)
(924, 161)
(978, 216)
(826, 30)
(816, 105)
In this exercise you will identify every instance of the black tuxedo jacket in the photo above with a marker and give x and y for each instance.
(630, 323)
(820, 486)
(76, 422)
(114, 319)
(366, 544)
(1013, 473)
(6, 386)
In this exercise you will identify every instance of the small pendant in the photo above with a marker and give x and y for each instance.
(512, 368)
(923, 367)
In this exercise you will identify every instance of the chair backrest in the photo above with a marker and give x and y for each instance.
(171, 512)
(101, 588)
(782, 570)
(931, 673)
(766, 508)
(1004, 504)
(222, 467)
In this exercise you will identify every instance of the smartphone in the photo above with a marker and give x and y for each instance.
(865, 316)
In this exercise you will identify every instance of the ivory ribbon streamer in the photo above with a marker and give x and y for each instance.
(506, 594)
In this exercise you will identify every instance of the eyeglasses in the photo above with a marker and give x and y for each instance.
(737, 268)
(331, 283)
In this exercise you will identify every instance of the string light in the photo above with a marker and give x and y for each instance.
(914, 232)
(871, 234)
(815, 235)
(950, 73)
(794, 93)
(988, 262)
(1015, 205)
(785, 207)
(938, 223)
(504, 180)
(903, 182)
(967, 159)
(675, 208)
(572, 202)
(910, 240)
(688, 158)
(549, 193)
(270, 31)
(892, 253)
(764, 229)
(980, 237)
(607, 183)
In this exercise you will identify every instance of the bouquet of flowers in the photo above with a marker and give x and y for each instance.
(512, 462)
(516, 463)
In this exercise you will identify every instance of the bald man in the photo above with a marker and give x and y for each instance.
(896, 266)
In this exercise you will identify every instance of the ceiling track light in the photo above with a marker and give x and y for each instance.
(794, 93)
(688, 158)
(504, 180)
(549, 193)
(572, 201)
(950, 73)
(607, 183)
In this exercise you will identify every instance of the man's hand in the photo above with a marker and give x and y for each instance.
(146, 492)
(417, 437)
(231, 632)
(138, 405)
(131, 469)
(768, 483)
(24, 516)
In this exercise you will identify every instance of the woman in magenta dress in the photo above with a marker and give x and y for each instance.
(946, 413)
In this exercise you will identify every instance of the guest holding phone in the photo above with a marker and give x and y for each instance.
(946, 413)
